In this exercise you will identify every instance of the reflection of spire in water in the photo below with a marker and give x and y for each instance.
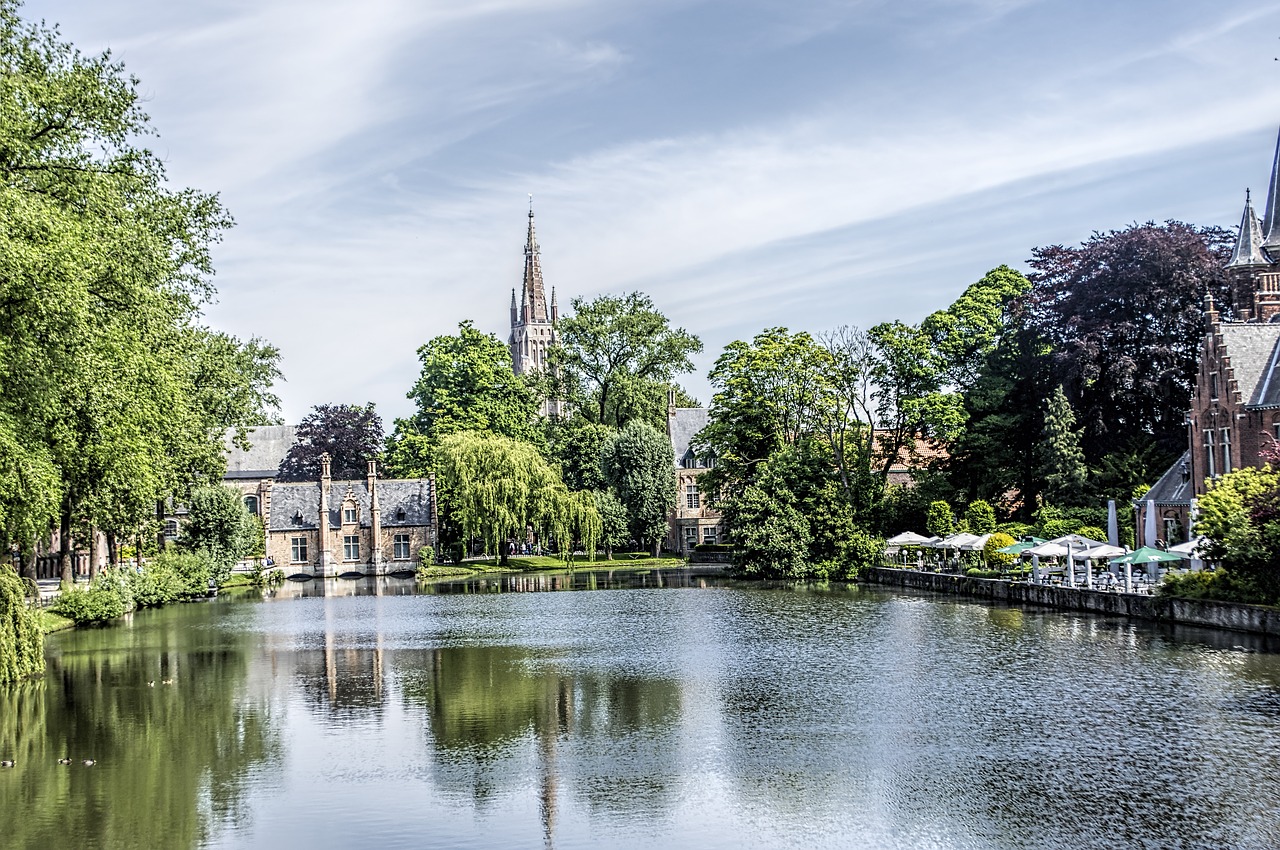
(557, 722)
(330, 663)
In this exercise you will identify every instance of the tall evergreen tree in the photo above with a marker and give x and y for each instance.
(1062, 460)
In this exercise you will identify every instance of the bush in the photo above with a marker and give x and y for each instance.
(457, 551)
(177, 576)
(858, 553)
(1016, 530)
(426, 557)
(940, 522)
(1220, 584)
(21, 638)
(995, 542)
(981, 517)
(974, 572)
(92, 605)
(1055, 528)
(261, 575)
(1093, 532)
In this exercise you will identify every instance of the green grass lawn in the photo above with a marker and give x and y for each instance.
(236, 580)
(50, 622)
(530, 563)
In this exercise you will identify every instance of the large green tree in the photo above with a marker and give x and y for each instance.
(219, 527)
(351, 434)
(104, 269)
(493, 488)
(640, 468)
(466, 384)
(616, 357)
(1061, 460)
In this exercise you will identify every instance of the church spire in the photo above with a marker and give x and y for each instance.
(534, 300)
(1271, 212)
(1248, 250)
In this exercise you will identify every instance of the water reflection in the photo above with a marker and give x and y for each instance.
(666, 709)
(163, 713)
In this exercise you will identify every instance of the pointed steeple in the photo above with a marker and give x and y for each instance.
(534, 300)
(1271, 212)
(1248, 250)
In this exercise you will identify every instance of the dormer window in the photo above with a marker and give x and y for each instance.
(348, 514)
(297, 518)
(400, 515)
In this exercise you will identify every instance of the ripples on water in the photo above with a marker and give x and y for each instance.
(685, 712)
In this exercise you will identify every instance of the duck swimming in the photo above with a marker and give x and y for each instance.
(64, 761)
(6, 763)
(90, 762)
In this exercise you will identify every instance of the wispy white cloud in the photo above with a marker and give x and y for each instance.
(748, 164)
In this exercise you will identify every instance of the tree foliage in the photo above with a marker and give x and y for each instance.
(494, 488)
(1061, 460)
(1123, 314)
(616, 357)
(941, 521)
(638, 465)
(21, 640)
(1240, 515)
(350, 434)
(466, 384)
(115, 396)
(219, 527)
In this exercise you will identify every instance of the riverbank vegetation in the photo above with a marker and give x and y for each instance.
(116, 395)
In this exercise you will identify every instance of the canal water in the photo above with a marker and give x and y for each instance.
(651, 710)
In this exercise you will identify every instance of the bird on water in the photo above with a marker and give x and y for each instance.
(64, 761)
(6, 763)
(90, 762)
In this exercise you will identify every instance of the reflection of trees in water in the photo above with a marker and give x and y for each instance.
(342, 682)
(173, 760)
(503, 716)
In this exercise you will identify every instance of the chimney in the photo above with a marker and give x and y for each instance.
(375, 518)
(326, 554)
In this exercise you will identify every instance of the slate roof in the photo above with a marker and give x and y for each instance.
(1252, 349)
(267, 447)
(411, 495)
(1174, 487)
(684, 425)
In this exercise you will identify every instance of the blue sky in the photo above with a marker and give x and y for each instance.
(747, 164)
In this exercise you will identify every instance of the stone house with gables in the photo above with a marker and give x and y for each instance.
(330, 528)
(692, 521)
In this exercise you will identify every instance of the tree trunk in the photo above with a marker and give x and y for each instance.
(113, 551)
(66, 565)
(30, 553)
(657, 547)
(503, 548)
(160, 533)
(95, 552)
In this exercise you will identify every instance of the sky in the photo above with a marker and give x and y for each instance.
(747, 164)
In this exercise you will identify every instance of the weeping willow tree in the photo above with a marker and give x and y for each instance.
(21, 641)
(495, 487)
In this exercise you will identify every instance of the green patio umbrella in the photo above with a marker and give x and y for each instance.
(1146, 555)
(1020, 547)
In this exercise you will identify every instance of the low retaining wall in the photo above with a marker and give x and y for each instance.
(1255, 619)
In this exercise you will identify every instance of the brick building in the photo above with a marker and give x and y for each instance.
(1235, 405)
(328, 528)
(692, 521)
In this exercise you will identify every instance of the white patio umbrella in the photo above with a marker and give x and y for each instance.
(1048, 550)
(1106, 550)
(1190, 547)
(1150, 525)
(908, 538)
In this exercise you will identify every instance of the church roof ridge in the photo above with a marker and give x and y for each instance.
(1271, 212)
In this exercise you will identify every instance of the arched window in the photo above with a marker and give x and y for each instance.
(171, 529)
(251, 504)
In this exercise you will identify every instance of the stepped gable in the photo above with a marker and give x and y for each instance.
(1249, 361)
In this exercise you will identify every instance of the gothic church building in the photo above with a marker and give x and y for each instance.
(1235, 405)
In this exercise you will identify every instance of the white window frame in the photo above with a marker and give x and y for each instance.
(298, 550)
(709, 536)
(397, 542)
(1209, 452)
(692, 499)
(351, 547)
(349, 516)
(1226, 450)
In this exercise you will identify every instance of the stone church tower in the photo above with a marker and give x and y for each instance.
(533, 323)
